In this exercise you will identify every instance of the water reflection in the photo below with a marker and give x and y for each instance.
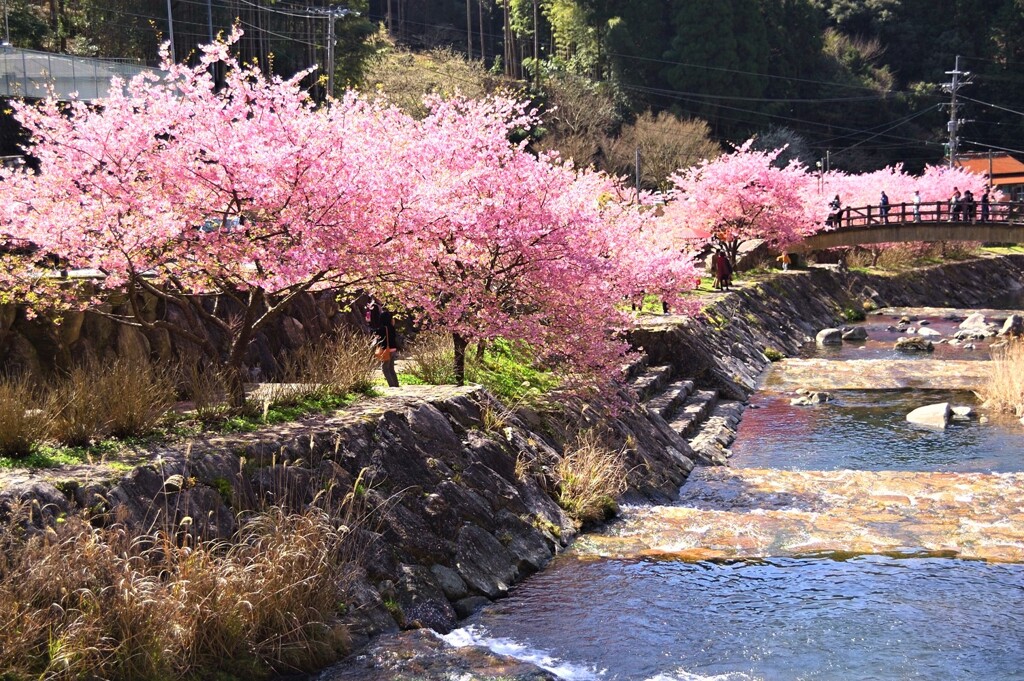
(868, 430)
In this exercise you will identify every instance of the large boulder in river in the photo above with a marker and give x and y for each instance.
(973, 321)
(914, 344)
(829, 337)
(926, 331)
(855, 333)
(1013, 326)
(932, 415)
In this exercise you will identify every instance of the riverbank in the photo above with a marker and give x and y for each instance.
(456, 503)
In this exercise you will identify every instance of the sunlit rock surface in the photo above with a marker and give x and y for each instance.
(879, 374)
(753, 513)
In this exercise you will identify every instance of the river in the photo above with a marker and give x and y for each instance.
(840, 543)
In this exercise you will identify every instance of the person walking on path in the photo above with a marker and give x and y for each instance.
(917, 205)
(723, 271)
(883, 207)
(985, 205)
(785, 260)
(385, 339)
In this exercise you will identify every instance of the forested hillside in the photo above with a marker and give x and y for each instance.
(852, 83)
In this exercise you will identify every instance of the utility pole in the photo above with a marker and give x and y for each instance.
(960, 78)
(7, 28)
(170, 28)
(332, 14)
(469, 30)
(536, 43)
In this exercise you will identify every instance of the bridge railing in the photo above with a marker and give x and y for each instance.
(932, 211)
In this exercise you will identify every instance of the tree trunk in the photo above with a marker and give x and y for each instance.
(481, 348)
(460, 344)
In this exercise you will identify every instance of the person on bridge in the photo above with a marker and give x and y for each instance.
(917, 205)
(970, 206)
(985, 206)
(883, 207)
(955, 205)
(835, 207)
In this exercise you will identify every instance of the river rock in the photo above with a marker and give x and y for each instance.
(829, 337)
(914, 344)
(973, 321)
(422, 655)
(926, 331)
(810, 398)
(855, 333)
(932, 415)
(962, 413)
(1013, 326)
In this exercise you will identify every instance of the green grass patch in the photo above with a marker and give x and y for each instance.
(509, 371)
(285, 413)
(46, 456)
(1015, 249)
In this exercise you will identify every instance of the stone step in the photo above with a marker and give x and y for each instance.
(717, 433)
(652, 381)
(694, 411)
(635, 368)
(668, 400)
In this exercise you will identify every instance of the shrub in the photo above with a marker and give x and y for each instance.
(773, 355)
(433, 359)
(203, 386)
(336, 365)
(1004, 389)
(85, 602)
(854, 314)
(128, 398)
(589, 475)
(22, 423)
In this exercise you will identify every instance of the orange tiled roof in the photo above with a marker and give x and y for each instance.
(1005, 168)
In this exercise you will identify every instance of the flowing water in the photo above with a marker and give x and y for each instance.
(841, 543)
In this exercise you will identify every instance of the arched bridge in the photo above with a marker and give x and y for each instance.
(1000, 222)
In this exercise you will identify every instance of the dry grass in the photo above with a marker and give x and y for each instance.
(1005, 388)
(590, 475)
(80, 602)
(433, 359)
(22, 421)
(336, 365)
(204, 386)
(128, 398)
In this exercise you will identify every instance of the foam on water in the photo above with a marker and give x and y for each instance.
(475, 636)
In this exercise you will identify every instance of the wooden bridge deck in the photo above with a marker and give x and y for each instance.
(1001, 222)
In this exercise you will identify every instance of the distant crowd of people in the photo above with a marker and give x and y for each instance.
(963, 207)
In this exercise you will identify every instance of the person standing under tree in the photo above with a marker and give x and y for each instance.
(985, 206)
(917, 205)
(385, 339)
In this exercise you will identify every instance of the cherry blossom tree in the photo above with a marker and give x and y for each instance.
(742, 196)
(493, 242)
(224, 204)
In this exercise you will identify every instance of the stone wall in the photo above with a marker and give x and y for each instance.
(724, 346)
(38, 345)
